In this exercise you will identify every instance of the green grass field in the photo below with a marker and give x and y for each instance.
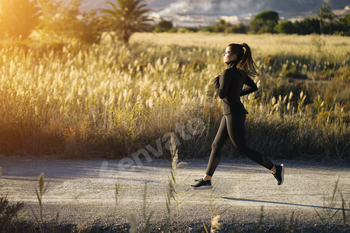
(110, 100)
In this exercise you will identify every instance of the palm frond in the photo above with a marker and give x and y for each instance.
(126, 16)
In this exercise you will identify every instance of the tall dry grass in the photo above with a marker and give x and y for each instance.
(110, 100)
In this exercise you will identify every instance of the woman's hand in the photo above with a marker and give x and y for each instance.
(216, 82)
(216, 79)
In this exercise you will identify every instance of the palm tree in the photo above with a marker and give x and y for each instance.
(127, 18)
(324, 13)
(18, 18)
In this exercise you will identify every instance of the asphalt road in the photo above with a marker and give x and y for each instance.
(83, 191)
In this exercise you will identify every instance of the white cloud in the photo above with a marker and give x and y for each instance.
(175, 8)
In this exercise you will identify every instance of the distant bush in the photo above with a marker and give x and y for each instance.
(173, 30)
(345, 23)
(163, 26)
(66, 22)
(307, 26)
(264, 22)
(286, 27)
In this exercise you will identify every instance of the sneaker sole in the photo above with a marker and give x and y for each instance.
(282, 174)
(202, 187)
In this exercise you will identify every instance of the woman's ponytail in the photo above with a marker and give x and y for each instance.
(244, 59)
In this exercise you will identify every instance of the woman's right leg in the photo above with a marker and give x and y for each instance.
(236, 130)
(219, 141)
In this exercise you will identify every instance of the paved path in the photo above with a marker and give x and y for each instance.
(83, 191)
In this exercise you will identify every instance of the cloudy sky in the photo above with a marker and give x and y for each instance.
(226, 7)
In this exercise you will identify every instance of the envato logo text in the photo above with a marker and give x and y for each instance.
(194, 127)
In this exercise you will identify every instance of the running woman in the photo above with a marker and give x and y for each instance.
(229, 87)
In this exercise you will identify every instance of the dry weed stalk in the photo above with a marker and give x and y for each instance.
(173, 185)
(39, 195)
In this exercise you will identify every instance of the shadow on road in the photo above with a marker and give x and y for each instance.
(282, 203)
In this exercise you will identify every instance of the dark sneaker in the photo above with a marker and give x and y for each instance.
(279, 175)
(202, 184)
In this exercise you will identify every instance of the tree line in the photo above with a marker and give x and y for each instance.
(269, 21)
(55, 20)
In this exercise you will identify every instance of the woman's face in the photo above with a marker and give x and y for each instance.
(228, 56)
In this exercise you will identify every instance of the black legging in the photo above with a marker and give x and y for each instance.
(232, 126)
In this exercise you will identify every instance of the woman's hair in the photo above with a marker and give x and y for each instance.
(244, 59)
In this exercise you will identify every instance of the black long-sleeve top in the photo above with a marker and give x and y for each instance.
(229, 88)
